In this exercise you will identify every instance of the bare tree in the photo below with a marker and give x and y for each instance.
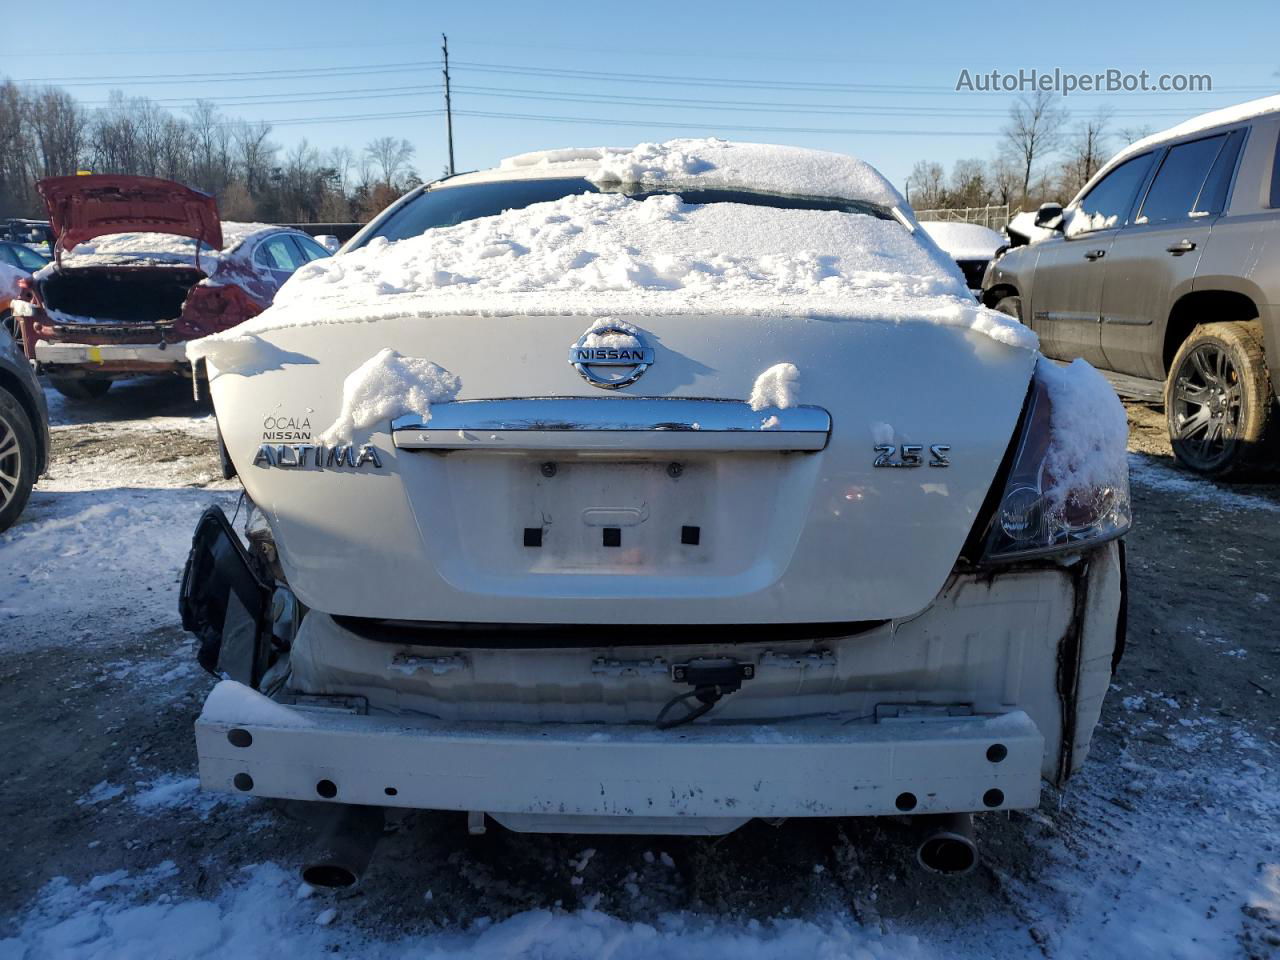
(58, 127)
(1133, 134)
(390, 158)
(968, 185)
(256, 153)
(926, 185)
(1086, 152)
(342, 160)
(1006, 180)
(47, 132)
(1033, 132)
(15, 151)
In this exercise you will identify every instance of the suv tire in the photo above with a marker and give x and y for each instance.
(1218, 400)
(17, 458)
(80, 388)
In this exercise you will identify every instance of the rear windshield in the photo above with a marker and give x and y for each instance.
(446, 206)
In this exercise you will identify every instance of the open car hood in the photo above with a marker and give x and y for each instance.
(83, 207)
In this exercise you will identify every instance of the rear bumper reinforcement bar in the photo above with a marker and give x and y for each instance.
(250, 744)
(139, 355)
(613, 423)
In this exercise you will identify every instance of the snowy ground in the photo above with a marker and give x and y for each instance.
(1168, 845)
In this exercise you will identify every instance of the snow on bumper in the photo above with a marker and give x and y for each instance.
(118, 356)
(249, 744)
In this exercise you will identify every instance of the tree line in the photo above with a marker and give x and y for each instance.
(46, 132)
(1042, 156)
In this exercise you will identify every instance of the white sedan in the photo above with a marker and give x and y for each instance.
(650, 491)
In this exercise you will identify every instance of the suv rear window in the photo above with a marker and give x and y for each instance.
(446, 206)
(1275, 177)
(1174, 191)
(1213, 195)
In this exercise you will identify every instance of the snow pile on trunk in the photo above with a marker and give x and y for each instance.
(1089, 450)
(113, 249)
(712, 163)
(775, 387)
(387, 386)
(606, 254)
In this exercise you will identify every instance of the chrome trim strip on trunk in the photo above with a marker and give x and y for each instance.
(613, 423)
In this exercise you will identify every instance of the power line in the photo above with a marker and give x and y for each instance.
(699, 81)
(876, 88)
(720, 126)
(236, 76)
(762, 105)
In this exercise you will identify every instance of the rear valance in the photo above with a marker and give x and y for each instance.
(613, 423)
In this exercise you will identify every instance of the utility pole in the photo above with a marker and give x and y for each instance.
(448, 103)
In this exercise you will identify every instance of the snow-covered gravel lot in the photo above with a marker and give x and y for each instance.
(1168, 845)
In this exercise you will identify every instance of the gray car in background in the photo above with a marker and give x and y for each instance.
(24, 430)
(1166, 270)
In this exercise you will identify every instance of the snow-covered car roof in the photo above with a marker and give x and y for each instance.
(964, 241)
(610, 254)
(708, 163)
(1205, 121)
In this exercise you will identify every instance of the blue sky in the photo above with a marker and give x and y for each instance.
(877, 81)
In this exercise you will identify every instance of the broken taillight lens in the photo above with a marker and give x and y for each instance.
(1068, 486)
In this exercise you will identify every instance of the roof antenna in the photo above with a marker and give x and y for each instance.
(448, 103)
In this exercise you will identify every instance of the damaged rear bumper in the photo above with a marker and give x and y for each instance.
(68, 359)
(529, 776)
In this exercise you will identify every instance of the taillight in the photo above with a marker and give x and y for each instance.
(210, 309)
(1068, 486)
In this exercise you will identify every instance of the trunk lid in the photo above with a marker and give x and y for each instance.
(603, 506)
(83, 207)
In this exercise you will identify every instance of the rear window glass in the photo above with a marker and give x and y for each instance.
(1108, 204)
(1275, 176)
(1177, 185)
(279, 254)
(1213, 195)
(446, 206)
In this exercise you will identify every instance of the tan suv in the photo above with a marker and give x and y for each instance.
(1166, 270)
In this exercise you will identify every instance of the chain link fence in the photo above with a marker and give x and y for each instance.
(993, 216)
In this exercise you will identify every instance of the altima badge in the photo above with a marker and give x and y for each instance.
(316, 455)
(611, 344)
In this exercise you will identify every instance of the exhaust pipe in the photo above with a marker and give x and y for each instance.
(949, 848)
(345, 847)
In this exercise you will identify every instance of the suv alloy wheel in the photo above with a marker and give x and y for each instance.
(1218, 399)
